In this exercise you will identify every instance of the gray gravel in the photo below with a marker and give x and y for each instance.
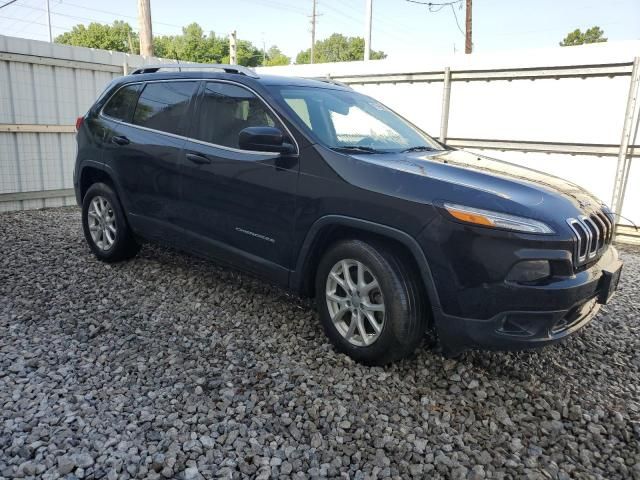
(171, 367)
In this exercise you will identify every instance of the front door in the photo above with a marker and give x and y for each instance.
(239, 200)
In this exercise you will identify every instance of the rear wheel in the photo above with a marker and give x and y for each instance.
(370, 305)
(105, 226)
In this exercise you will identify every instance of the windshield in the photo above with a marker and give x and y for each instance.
(348, 120)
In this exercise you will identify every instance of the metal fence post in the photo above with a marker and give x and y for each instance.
(624, 160)
(125, 67)
(446, 97)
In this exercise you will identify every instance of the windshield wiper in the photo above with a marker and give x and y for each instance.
(356, 148)
(421, 148)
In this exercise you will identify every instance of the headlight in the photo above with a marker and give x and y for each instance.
(487, 218)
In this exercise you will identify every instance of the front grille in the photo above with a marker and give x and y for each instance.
(593, 233)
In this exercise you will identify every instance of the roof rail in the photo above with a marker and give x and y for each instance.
(330, 80)
(238, 69)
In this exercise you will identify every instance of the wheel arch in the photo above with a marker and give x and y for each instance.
(93, 172)
(331, 228)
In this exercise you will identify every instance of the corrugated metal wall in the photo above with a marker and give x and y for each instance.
(44, 87)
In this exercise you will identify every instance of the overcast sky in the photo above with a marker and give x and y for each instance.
(400, 28)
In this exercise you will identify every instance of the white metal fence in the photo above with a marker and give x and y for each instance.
(44, 87)
(560, 110)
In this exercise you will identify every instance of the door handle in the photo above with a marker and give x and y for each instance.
(198, 159)
(121, 140)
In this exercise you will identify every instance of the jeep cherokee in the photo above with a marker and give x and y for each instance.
(329, 193)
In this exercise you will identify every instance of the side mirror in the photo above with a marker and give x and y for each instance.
(264, 139)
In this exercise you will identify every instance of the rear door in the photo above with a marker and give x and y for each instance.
(243, 201)
(145, 152)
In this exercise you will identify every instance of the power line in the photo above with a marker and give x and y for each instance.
(8, 3)
(435, 7)
(390, 29)
(118, 15)
(32, 22)
(434, 4)
(11, 25)
(453, 10)
(85, 19)
(279, 5)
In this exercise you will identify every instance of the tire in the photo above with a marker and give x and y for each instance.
(402, 324)
(107, 234)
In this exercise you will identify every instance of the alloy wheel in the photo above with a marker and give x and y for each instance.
(101, 219)
(355, 302)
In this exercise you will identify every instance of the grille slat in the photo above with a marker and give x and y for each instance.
(592, 233)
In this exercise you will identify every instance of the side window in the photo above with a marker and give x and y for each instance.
(225, 110)
(163, 106)
(121, 105)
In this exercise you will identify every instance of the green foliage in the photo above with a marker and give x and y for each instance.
(248, 54)
(191, 46)
(108, 37)
(337, 48)
(276, 57)
(592, 35)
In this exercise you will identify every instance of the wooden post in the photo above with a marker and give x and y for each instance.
(468, 42)
(146, 34)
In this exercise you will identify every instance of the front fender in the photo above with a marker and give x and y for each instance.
(298, 276)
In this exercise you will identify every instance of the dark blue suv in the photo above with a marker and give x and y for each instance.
(329, 193)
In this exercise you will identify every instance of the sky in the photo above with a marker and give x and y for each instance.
(402, 29)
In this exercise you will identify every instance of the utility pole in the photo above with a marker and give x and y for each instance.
(313, 29)
(144, 22)
(468, 43)
(367, 26)
(49, 22)
(130, 42)
(233, 48)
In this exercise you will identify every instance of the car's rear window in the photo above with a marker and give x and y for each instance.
(163, 106)
(120, 106)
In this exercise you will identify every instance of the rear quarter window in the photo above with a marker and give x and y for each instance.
(164, 105)
(120, 106)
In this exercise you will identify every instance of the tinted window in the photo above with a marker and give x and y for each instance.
(120, 106)
(163, 106)
(225, 110)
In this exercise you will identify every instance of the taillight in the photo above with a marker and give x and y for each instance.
(79, 121)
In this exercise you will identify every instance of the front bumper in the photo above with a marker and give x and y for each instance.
(516, 329)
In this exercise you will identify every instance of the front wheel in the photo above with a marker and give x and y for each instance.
(105, 226)
(370, 303)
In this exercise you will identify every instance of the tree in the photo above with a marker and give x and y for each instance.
(194, 46)
(248, 54)
(591, 35)
(276, 57)
(190, 46)
(119, 37)
(337, 48)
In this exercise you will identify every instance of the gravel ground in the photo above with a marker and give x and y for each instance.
(171, 367)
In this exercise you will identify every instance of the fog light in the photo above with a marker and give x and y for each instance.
(529, 271)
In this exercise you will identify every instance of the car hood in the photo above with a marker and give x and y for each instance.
(495, 178)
